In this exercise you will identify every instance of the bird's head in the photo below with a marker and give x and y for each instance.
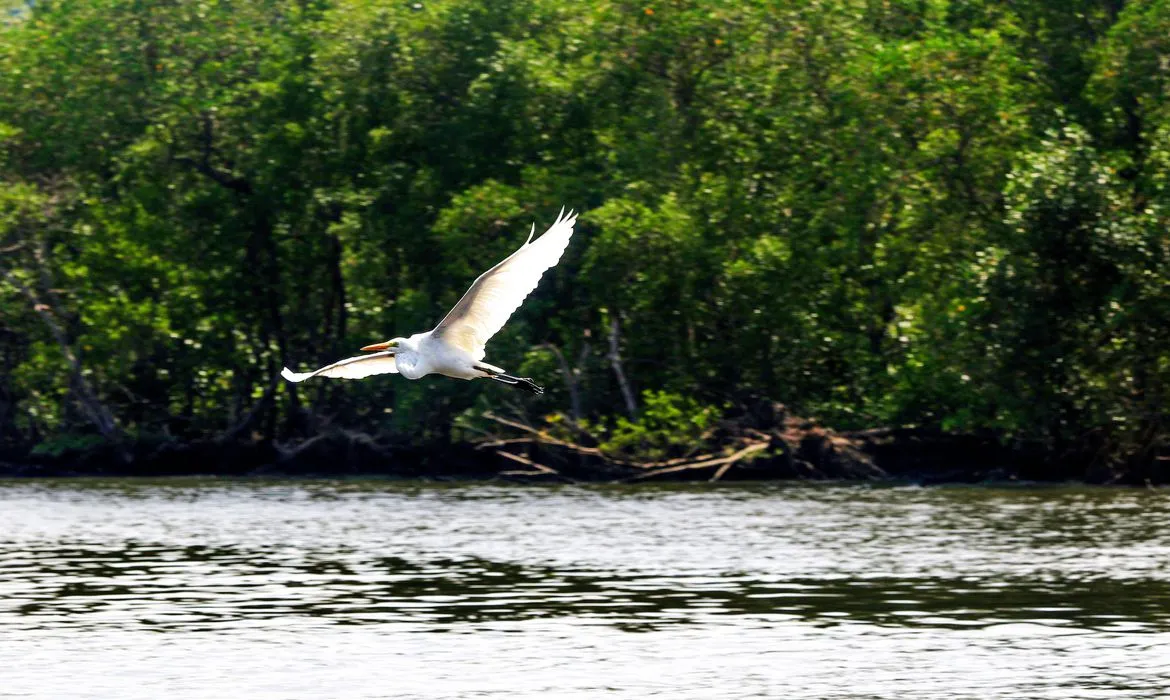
(388, 345)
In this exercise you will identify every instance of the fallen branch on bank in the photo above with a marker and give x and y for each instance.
(593, 462)
(537, 469)
(723, 463)
(765, 442)
(540, 437)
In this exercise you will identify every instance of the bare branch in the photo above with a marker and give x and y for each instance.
(724, 463)
(537, 467)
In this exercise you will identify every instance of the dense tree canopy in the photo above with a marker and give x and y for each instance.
(934, 213)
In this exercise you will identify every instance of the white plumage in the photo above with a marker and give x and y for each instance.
(455, 348)
(358, 367)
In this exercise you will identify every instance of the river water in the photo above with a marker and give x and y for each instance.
(241, 589)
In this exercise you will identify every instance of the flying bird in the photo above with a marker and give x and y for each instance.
(455, 348)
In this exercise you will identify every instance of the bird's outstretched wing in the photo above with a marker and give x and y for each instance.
(485, 308)
(349, 368)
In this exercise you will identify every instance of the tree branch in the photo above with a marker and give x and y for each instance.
(231, 182)
(203, 165)
(724, 463)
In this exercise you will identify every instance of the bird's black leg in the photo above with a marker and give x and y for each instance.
(522, 382)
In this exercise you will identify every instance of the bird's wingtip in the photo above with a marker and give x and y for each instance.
(531, 233)
(290, 375)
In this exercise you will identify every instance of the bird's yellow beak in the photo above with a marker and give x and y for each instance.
(380, 346)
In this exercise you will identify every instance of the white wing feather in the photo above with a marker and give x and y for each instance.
(497, 293)
(349, 368)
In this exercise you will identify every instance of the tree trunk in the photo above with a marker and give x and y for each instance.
(615, 360)
(571, 383)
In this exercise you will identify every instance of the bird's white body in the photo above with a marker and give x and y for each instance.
(456, 347)
(422, 354)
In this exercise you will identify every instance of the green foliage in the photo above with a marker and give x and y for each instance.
(60, 444)
(947, 214)
(668, 424)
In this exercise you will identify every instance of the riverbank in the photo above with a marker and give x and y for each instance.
(773, 446)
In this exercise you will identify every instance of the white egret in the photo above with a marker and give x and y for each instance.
(455, 348)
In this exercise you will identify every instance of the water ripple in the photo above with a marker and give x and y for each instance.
(1027, 593)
